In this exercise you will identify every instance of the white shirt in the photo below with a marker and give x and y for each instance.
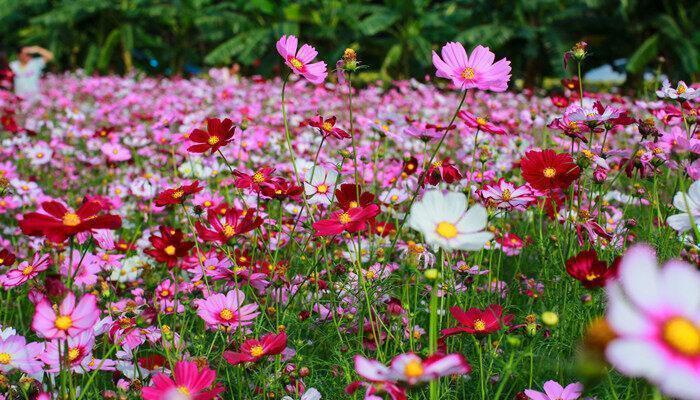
(27, 77)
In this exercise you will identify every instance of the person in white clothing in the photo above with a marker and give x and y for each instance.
(27, 70)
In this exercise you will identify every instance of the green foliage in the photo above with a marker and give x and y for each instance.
(393, 37)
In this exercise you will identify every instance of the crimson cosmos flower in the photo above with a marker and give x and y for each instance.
(352, 220)
(252, 350)
(177, 195)
(476, 321)
(280, 188)
(327, 127)
(347, 198)
(255, 181)
(480, 123)
(546, 170)
(7, 258)
(442, 171)
(57, 223)
(218, 134)
(589, 270)
(235, 222)
(169, 246)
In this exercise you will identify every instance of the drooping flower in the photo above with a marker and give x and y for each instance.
(69, 320)
(546, 170)
(554, 391)
(177, 195)
(589, 270)
(409, 368)
(169, 247)
(252, 350)
(689, 203)
(327, 127)
(57, 223)
(445, 221)
(654, 312)
(219, 133)
(476, 321)
(301, 61)
(188, 382)
(474, 71)
(480, 123)
(219, 310)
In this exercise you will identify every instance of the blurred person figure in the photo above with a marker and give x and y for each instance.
(27, 70)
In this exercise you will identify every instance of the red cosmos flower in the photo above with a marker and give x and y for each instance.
(480, 123)
(352, 220)
(177, 195)
(559, 101)
(279, 188)
(252, 350)
(572, 129)
(7, 258)
(8, 122)
(546, 170)
(327, 127)
(169, 246)
(255, 181)
(218, 134)
(410, 166)
(103, 132)
(347, 197)
(571, 84)
(589, 270)
(235, 222)
(478, 322)
(57, 223)
(442, 171)
(382, 229)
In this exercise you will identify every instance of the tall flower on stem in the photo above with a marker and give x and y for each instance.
(188, 382)
(70, 319)
(301, 61)
(57, 223)
(218, 134)
(474, 71)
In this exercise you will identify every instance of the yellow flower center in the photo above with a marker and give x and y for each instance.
(229, 231)
(549, 172)
(184, 390)
(73, 354)
(479, 325)
(353, 204)
(71, 219)
(344, 218)
(592, 276)
(5, 358)
(446, 229)
(213, 140)
(256, 351)
(413, 369)
(683, 336)
(164, 293)
(468, 73)
(506, 195)
(437, 164)
(27, 270)
(39, 155)
(296, 63)
(681, 89)
(370, 275)
(63, 322)
(178, 194)
(481, 121)
(226, 314)
(322, 188)
(170, 250)
(327, 126)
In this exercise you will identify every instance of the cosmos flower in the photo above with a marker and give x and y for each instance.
(327, 127)
(218, 134)
(26, 270)
(177, 195)
(68, 320)
(169, 247)
(7, 258)
(689, 203)
(681, 92)
(115, 152)
(253, 350)
(234, 222)
(476, 321)
(16, 353)
(507, 196)
(188, 382)
(352, 220)
(319, 184)
(256, 181)
(589, 270)
(475, 71)
(301, 61)
(480, 123)
(219, 310)
(554, 391)
(654, 312)
(445, 221)
(409, 368)
(442, 171)
(547, 170)
(57, 223)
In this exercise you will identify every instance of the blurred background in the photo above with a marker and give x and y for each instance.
(394, 38)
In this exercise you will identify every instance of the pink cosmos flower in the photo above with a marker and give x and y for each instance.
(474, 71)
(507, 196)
(481, 123)
(79, 352)
(188, 383)
(656, 315)
(16, 353)
(70, 320)
(227, 310)
(411, 369)
(26, 271)
(83, 270)
(300, 62)
(115, 152)
(554, 391)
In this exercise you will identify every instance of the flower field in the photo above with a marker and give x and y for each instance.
(305, 237)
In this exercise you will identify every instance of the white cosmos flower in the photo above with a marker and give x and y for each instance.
(445, 221)
(689, 203)
(320, 186)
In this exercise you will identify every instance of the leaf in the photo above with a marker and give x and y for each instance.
(377, 22)
(643, 55)
(244, 47)
(392, 57)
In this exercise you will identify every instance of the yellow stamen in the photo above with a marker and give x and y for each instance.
(446, 229)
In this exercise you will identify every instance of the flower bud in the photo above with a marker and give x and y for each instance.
(431, 274)
(550, 318)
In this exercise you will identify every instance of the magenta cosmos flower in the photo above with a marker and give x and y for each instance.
(188, 383)
(15, 352)
(300, 61)
(411, 369)
(70, 320)
(474, 71)
(26, 270)
(656, 315)
(554, 391)
(219, 310)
